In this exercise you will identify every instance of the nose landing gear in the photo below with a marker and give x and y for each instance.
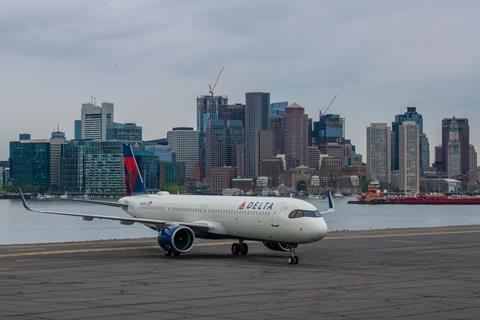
(240, 248)
(292, 259)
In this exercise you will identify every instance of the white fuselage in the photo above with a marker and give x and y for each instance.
(257, 218)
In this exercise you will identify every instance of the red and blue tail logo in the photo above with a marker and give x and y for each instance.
(133, 178)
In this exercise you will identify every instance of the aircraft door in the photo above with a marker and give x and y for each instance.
(275, 218)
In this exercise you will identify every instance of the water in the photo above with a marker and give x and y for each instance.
(19, 226)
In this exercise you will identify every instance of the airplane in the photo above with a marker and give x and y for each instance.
(280, 223)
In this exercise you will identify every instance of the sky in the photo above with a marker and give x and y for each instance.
(152, 58)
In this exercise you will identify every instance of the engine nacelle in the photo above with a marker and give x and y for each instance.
(176, 239)
(276, 246)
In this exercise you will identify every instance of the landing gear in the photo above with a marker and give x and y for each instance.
(292, 259)
(169, 253)
(240, 248)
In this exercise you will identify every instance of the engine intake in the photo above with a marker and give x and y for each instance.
(176, 239)
(276, 246)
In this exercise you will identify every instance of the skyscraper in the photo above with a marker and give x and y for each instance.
(295, 135)
(409, 156)
(473, 159)
(184, 141)
(424, 153)
(77, 129)
(126, 132)
(95, 120)
(208, 108)
(454, 164)
(256, 118)
(329, 129)
(410, 115)
(379, 152)
(56, 141)
(464, 137)
(277, 109)
(30, 163)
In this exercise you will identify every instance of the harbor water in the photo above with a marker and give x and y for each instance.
(19, 226)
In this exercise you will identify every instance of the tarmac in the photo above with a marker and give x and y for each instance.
(429, 273)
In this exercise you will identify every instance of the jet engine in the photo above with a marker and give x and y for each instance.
(276, 246)
(176, 239)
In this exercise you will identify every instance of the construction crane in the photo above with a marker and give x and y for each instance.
(211, 88)
(328, 106)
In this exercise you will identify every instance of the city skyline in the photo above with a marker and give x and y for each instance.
(378, 57)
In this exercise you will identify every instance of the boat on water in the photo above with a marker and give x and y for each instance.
(374, 196)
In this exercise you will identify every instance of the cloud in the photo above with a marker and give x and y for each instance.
(153, 57)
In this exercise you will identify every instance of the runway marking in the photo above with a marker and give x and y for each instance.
(210, 244)
(70, 251)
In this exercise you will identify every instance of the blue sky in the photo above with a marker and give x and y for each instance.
(152, 58)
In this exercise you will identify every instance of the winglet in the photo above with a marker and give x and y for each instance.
(331, 205)
(23, 200)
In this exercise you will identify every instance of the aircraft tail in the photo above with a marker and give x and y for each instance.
(134, 184)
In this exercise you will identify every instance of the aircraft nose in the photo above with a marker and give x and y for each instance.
(321, 228)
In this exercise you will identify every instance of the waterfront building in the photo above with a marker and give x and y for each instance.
(464, 137)
(277, 109)
(221, 178)
(30, 163)
(4, 167)
(57, 139)
(329, 129)
(244, 184)
(454, 165)
(379, 152)
(184, 141)
(88, 166)
(256, 118)
(77, 129)
(172, 172)
(409, 156)
(125, 132)
(410, 115)
(95, 120)
(295, 135)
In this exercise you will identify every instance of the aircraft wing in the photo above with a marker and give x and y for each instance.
(159, 224)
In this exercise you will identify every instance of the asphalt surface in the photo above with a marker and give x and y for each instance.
(391, 274)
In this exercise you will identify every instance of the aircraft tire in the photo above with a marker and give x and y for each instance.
(236, 249)
(290, 260)
(167, 253)
(295, 260)
(244, 249)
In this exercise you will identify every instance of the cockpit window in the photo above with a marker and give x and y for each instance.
(304, 213)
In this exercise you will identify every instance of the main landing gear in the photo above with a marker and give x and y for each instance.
(240, 248)
(292, 259)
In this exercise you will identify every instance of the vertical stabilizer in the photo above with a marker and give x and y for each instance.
(133, 179)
